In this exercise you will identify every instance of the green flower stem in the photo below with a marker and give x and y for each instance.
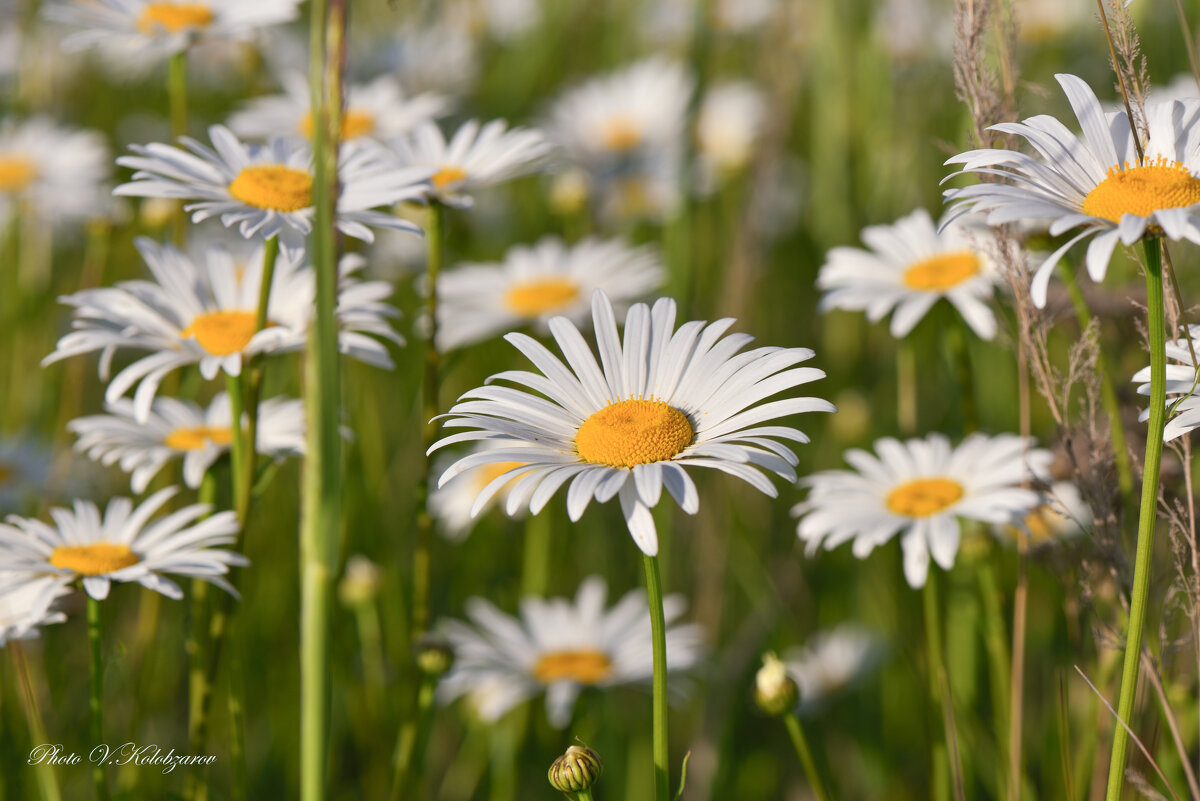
(658, 633)
(906, 387)
(999, 664)
(237, 722)
(422, 564)
(805, 754)
(1147, 516)
(199, 651)
(320, 521)
(1108, 391)
(938, 688)
(535, 572)
(177, 104)
(243, 487)
(583, 795)
(99, 779)
(410, 746)
(46, 777)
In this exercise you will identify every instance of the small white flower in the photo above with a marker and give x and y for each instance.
(24, 610)
(377, 110)
(181, 429)
(832, 660)
(267, 190)
(451, 503)
(562, 648)
(474, 157)
(664, 400)
(917, 490)
(1183, 386)
(729, 124)
(1062, 514)
(124, 545)
(909, 267)
(203, 312)
(139, 27)
(1097, 182)
(534, 283)
(58, 173)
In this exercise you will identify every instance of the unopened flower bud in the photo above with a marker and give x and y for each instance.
(360, 583)
(774, 690)
(576, 770)
(434, 657)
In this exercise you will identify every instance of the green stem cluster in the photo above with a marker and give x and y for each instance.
(1147, 516)
(800, 743)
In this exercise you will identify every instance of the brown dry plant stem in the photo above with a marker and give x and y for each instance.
(1016, 696)
(1189, 41)
(1172, 722)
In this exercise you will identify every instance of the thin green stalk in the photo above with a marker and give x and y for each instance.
(435, 239)
(322, 491)
(410, 747)
(177, 103)
(46, 777)
(583, 795)
(956, 338)
(1147, 516)
(235, 386)
(906, 387)
(237, 721)
(535, 573)
(370, 635)
(939, 689)
(243, 488)
(1188, 41)
(806, 758)
(96, 705)
(658, 633)
(1108, 391)
(998, 659)
(1016, 696)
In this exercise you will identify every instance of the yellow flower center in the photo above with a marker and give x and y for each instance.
(222, 332)
(941, 272)
(585, 665)
(631, 432)
(354, 124)
(16, 173)
(198, 438)
(490, 472)
(540, 296)
(622, 134)
(273, 186)
(96, 559)
(924, 497)
(173, 17)
(447, 175)
(1040, 523)
(1142, 190)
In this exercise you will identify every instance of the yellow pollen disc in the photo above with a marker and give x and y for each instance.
(16, 173)
(223, 332)
(1040, 524)
(585, 666)
(541, 296)
(96, 559)
(1142, 190)
(490, 472)
(273, 186)
(447, 175)
(621, 134)
(354, 124)
(198, 438)
(631, 432)
(941, 272)
(173, 17)
(924, 497)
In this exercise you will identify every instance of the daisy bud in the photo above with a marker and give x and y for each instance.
(360, 584)
(577, 770)
(774, 690)
(434, 657)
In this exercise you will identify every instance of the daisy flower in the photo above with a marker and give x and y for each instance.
(59, 173)
(377, 110)
(1097, 182)
(451, 504)
(535, 283)
(202, 311)
(833, 660)
(640, 109)
(658, 402)
(164, 28)
(560, 647)
(24, 610)
(909, 267)
(728, 125)
(181, 429)
(918, 489)
(1063, 514)
(124, 545)
(474, 157)
(1183, 387)
(266, 190)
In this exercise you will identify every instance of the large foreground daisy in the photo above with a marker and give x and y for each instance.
(659, 401)
(267, 190)
(180, 429)
(918, 489)
(534, 283)
(909, 267)
(124, 545)
(562, 648)
(203, 312)
(1097, 182)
